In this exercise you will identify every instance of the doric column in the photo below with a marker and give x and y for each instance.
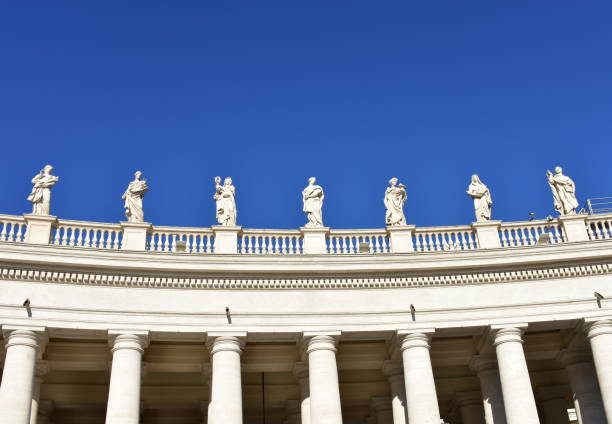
(395, 371)
(519, 401)
(300, 370)
(127, 348)
(382, 408)
(226, 395)
(583, 382)
(485, 367)
(600, 336)
(553, 402)
(45, 409)
(325, 407)
(469, 405)
(23, 346)
(421, 398)
(42, 368)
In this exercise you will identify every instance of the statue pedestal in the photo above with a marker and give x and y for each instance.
(39, 228)
(574, 227)
(400, 237)
(314, 240)
(135, 235)
(226, 239)
(487, 234)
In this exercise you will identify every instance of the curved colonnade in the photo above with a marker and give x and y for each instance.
(130, 323)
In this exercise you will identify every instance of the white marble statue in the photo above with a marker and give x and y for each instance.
(133, 198)
(313, 196)
(41, 192)
(395, 197)
(225, 198)
(481, 195)
(564, 192)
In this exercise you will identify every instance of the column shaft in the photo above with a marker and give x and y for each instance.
(519, 401)
(301, 372)
(395, 371)
(600, 336)
(325, 406)
(226, 395)
(17, 386)
(124, 390)
(490, 386)
(421, 398)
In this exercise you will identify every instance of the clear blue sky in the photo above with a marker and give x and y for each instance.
(272, 92)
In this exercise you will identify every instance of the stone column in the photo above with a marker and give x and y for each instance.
(226, 395)
(519, 401)
(485, 367)
(23, 346)
(301, 372)
(600, 336)
(127, 348)
(395, 371)
(325, 406)
(421, 398)
(382, 408)
(553, 402)
(583, 382)
(42, 368)
(470, 407)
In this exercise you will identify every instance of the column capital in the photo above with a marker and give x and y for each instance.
(393, 367)
(15, 335)
(226, 342)
(598, 328)
(300, 370)
(321, 341)
(380, 403)
(507, 333)
(414, 338)
(128, 339)
(544, 393)
(480, 363)
(568, 357)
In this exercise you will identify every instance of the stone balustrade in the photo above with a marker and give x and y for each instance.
(238, 240)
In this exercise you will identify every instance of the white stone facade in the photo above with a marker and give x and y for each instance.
(133, 323)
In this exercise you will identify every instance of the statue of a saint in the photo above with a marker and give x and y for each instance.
(481, 195)
(133, 198)
(225, 198)
(395, 197)
(41, 192)
(564, 192)
(313, 196)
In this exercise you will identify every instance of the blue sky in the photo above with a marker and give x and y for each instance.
(272, 92)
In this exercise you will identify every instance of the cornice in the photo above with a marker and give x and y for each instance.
(147, 280)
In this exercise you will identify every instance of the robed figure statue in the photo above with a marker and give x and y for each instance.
(395, 197)
(225, 200)
(312, 197)
(41, 192)
(133, 198)
(481, 195)
(564, 192)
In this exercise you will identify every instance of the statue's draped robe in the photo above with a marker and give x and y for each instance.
(226, 205)
(482, 201)
(564, 193)
(41, 193)
(313, 205)
(395, 197)
(133, 200)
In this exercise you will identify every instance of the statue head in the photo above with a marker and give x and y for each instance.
(558, 170)
(137, 174)
(217, 180)
(227, 181)
(393, 181)
(47, 169)
(475, 178)
(312, 180)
